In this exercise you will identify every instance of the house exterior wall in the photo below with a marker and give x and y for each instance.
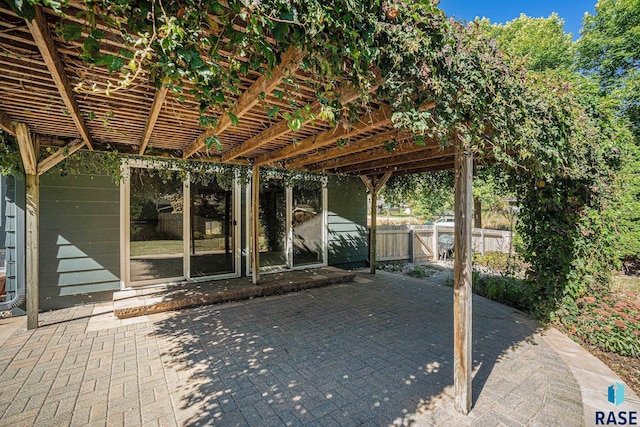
(79, 239)
(347, 222)
(80, 235)
(12, 234)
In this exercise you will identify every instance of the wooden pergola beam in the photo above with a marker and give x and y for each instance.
(6, 124)
(282, 127)
(380, 117)
(318, 159)
(43, 39)
(374, 184)
(60, 155)
(27, 149)
(265, 84)
(154, 112)
(371, 155)
(410, 156)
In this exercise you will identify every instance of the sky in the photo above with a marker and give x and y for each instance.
(501, 11)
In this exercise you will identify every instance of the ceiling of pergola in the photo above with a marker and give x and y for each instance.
(144, 120)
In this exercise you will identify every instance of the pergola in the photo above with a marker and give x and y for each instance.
(38, 105)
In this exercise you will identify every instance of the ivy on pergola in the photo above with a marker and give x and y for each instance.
(439, 77)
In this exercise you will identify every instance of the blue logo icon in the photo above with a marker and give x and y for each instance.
(616, 394)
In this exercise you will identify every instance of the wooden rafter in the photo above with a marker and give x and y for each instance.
(27, 149)
(265, 84)
(368, 156)
(407, 166)
(42, 37)
(317, 159)
(154, 112)
(370, 121)
(395, 160)
(6, 124)
(424, 169)
(60, 155)
(282, 127)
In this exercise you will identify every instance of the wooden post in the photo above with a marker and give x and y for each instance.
(32, 249)
(477, 213)
(374, 185)
(29, 150)
(255, 225)
(462, 360)
(374, 229)
(436, 249)
(412, 238)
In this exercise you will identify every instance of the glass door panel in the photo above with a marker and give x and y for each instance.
(272, 239)
(212, 230)
(156, 248)
(307, 223)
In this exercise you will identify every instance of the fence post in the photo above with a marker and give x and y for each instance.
(435, 243)
(482, 245)
(411, 245)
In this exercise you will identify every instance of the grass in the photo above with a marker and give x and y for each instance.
(626, 283)
(165, 247)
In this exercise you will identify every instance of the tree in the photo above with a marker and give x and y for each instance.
(609, 49)
(542, 42)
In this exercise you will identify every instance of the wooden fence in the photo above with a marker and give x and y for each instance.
(417, 243)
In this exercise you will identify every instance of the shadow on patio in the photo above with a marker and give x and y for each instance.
(378, 352)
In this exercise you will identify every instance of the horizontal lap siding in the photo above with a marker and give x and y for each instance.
(13, 232)
(347, 222)
(79, 239)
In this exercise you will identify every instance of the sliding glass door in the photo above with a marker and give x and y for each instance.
(212, 249)
(272, 239)
(156, 246)
(177, 230)
(292, 225)
(307, 222)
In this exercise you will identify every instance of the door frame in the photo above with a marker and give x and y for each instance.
(125, 231)
(288, 232)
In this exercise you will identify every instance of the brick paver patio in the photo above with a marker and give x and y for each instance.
(374, 352)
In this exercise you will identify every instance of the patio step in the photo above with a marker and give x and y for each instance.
(157, 299)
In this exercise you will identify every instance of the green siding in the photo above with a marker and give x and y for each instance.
(347, 222)
(79, 240)
(12, 234)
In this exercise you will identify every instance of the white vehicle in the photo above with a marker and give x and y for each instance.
(446, 221)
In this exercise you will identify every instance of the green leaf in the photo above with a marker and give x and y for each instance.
(71, 32)
(218, 96)
(90, 47)
(112, 62)
(273, 112)
(23, 9)
(234, 118)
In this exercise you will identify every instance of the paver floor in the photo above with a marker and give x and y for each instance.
(374, 352)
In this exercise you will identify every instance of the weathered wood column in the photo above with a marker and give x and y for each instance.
(374, 185)
(29, 152)
(255, 225)
(32, 249)
(462, 360)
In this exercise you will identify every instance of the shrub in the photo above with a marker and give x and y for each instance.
(610, 322)
(506, 290)
(420, 271)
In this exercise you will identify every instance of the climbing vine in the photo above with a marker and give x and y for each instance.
(444, 80)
